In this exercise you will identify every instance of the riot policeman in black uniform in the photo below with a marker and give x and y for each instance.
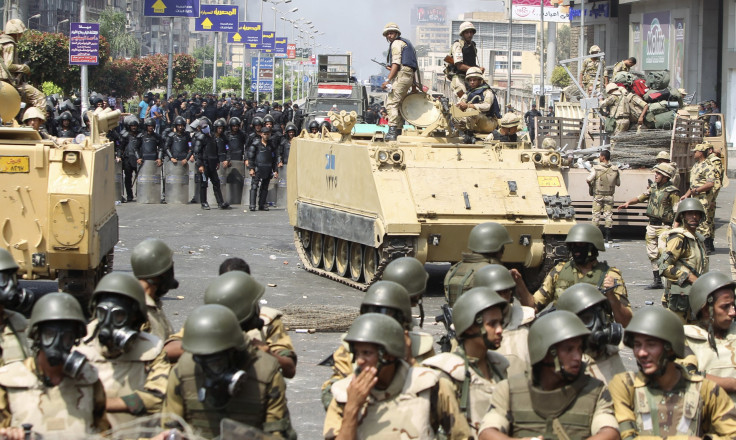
(67, 127)
(177, 146)
(263, 160)
(207, 161)
(254, 135)
(151, 142)
(130, 153)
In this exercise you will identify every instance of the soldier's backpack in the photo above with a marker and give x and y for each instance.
(653, 95)
(658, 79)
(624, 78)
(639, 86)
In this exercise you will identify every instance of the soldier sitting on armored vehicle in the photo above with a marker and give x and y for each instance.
(481, 98)
(11, 71)
(509, 125)
(36, 120)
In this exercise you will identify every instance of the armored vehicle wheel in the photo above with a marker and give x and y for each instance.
(306, 238)
(370, 263)
(356, 261)
(328, 252)
(315, 249)
(342, 257)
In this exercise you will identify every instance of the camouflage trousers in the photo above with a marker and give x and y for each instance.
(652, 239)
(706, 226)
(603, 209)
(478, 123)
(399, 89)
(711, 212)
(622, 124)
(32, 97)
(458, 86)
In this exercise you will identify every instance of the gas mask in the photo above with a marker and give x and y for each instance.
(582, 253)
(206, 129)
(116, 327)
(166, 283)
(222, 379)
(603, 331)
(12, 295)
(56, 339)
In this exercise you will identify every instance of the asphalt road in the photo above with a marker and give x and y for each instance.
(202, 239)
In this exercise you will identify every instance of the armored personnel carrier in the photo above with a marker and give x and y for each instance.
(58, 198)
(357, 202)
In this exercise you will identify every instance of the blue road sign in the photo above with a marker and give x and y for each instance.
(267, 41)
(280, 44)
(171, 8)
(84, 44)
(266, 63)
(265, 85)
(306, 78)
(249, 32)
(217, 18)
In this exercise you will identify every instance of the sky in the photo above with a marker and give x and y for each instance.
(356, 26)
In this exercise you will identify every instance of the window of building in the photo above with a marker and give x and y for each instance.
(516, 65)
(501, 65)
(517, 53)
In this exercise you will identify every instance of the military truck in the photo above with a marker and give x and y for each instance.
(335, 90)
(357, 202)
(58, 198)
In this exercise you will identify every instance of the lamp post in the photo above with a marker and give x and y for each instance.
(66, 20)
(28, 22)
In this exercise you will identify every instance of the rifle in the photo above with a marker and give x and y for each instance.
(381, 64)
(449, 59)
(446, 319)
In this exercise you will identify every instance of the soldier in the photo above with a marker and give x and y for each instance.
(67, 128)
(386, 395)
(584, 241)
(178, 144)
(508, 126)
(255, 133)
(402, 63)
(464, 57)
(481, 98)
(14, 300)
(516, 317)
(558, 399)
(153, 264)
(291, 132)
(207, 159)
(129, 153)
(314, 127)
(601, 350)
(530, 118)
(717, 165)
(474, 367)
(54, 389)
(684, 258)
(589, 71)
(263, 160)
(132, 364)
(486, 242)
(711, 342)
(152, 147)
(236, 141)
(663, 400)
(664, 157)
(623, 66)
(617, 108)
(12, 72)
(636, 108)
(705, 182)
(35, 119)
(221, 376)
(604, 178)
(663, 196)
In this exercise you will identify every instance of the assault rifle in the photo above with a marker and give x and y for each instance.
(385, 65)
(446, 319)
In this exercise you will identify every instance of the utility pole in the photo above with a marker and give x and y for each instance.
(508, 69)
(83, 69)
(214, 66)
(242, 71)
(169, 80)
(541, 55)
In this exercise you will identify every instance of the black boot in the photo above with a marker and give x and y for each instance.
(391, 135)
(205, 206)
(656, 283)
(468, 137)
(203, 198)
(220, 201)
(253, 198)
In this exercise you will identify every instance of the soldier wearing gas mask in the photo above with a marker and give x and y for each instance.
(584, 241)
(153, 264)
(601, 351)
(14, 300)
(54, 389)
(132, 364)
(221, 376)
(474, 367)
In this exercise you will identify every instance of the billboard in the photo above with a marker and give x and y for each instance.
(656, 36)
(429, 14)
(84, 44)
(530, 10)
(171, 8)
(217, 18)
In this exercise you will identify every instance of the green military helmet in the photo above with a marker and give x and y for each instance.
(659, 323)
(238, 291)
(123, 284)
(151, 258)
(488, 237)
(210, 329)
(470, 304)
(690, 204)
(390, 295)
(579, 297)
(551, 329)
(379, 329)
(57, 306)
(705, 286)
(410, 273)
(494, 276)
(586, 233)
(7, 262)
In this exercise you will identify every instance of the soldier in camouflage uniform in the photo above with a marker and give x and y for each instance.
(486, 242)
(623, 66)
(663, 197)
(590, 69)
(386, 397)
(684, 258)
(474, 367)
(601, 351)
(604, 178)
(14, 344)
(664, 157)
(131, 363)
(663, 400)
(153, 264)
(636, 108)
(584, 241)
(54, 389)
(516, 317)
(711, 342)
(704, 183)
(558, 400)
(222, 376)
(616, 107)
(717, 164)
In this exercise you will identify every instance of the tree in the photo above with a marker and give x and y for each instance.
(204, 55)
(112, 27)
(560, 78)
(564, 42)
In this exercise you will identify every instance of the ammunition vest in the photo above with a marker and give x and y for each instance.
(545, 413)
(65, 410)
(149, 146)
(568, 276)
(657, 208)
(605, 365)
(408, 55)
(469, 54)
(717, 164)
(460, 277)
(236, 144)
(718, 363)
(605, 179)
(14, 341)
(133, 146)
(221, 143)
(694, 257)
(249, 406)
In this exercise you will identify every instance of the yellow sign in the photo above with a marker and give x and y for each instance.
(547, 181)
(237, 37)
(159, 7)
(206, 24)
(14, 164)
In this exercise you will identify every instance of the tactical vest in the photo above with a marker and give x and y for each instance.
(66, 132)
(568, 276)
(470, 54)
(719, 362)
(605, 182)
(206, 148)
(236, 144)
(514, 345)
(15, 344)
(695, 261)
(605, 365)
(544, 413)
(717, 163)
(460, 277)
(133, 146)
(657, 208)
(5, 74)
(180, 146)
(476, 96)
(65, 410)
(221, 142)
(249, 406)
(408, 55)
(264, 154)
(149, 147)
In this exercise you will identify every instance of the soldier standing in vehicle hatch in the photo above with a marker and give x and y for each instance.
(464, 56)
(402, 61)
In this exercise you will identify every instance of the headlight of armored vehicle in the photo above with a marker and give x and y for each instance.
(382, 156)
